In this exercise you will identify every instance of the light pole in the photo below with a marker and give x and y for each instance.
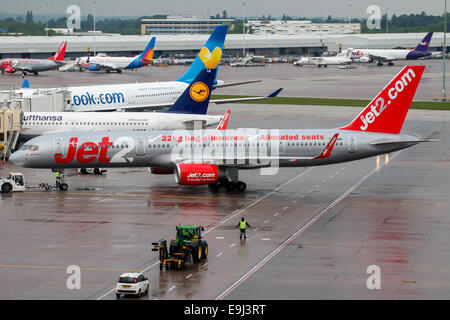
(243, 30)
(444, 51)
(387, 20)
(46, 20)
(349, 13)
(93, 3)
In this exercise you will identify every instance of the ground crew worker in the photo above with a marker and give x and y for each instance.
(58, 178)
(243, 224)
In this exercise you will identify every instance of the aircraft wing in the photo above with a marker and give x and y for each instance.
(266, 160)
(379, 58)
(224, 85)
(221, 101)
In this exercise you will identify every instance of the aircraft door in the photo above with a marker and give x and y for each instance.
(351, 143)
(58, 145)
(140, 146)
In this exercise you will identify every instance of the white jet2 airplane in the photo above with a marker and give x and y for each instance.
(214, 157)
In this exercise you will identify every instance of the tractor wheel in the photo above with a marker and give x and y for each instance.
(173, 247)
(197, 253)
(204, 250)
(6, 187)
(63, 187)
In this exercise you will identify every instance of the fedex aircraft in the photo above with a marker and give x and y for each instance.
(214, 157)
(389, 55)
(150, 95)
(11, 65)
(101, 62)
(184, 114)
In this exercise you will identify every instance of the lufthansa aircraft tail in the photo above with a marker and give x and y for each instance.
(387, 112)
(209, 56)
(195, 98)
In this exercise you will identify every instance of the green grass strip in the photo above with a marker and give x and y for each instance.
(427, 105)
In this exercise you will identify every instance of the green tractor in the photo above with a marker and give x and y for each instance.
(188, 242)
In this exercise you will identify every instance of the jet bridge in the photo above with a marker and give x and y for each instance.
(10, 127)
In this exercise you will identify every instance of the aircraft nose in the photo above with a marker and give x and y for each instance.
(17, 159)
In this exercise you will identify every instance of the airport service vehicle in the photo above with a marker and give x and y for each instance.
(187, 243)
(214, 157)
(389, 55)
(150, 95)
(104, 62)
(341, 59)
(14, 182)
(11, 65)
(132, 283)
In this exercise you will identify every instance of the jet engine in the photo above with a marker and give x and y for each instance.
(9, 69)
(365, 59)
(195, 174)
(94, 67)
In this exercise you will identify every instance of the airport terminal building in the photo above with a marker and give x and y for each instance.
(270, 45)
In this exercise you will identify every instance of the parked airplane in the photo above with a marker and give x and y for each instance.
(103, 62)
(341, 59)
(182, 115)
(11, 65)
(150, 95)
(389, 55)
(214, 157)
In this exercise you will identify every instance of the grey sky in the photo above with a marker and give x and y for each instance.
(309, 8)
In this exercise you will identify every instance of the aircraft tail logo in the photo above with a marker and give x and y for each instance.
(195, 99)
(209, 56)
(60, 53)
(423, 45)
(387, 112)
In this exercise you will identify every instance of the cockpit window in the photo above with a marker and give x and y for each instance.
(34, 147)
(24, 147)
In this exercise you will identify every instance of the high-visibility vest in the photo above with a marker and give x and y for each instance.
(243, 224)
(57, 174)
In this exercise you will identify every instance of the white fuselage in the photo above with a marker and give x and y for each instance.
(386, 54)
(38, 123)
(337, 60)
(112, 62)
(116, 96)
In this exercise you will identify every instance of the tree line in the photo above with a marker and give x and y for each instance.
(396, 24)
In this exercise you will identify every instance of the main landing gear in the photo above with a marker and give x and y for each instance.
(228, 178)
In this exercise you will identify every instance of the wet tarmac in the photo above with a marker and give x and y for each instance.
(360, 81)
(315, 231)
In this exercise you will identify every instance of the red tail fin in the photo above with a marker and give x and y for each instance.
(59, 55)
(387, 112)
(224, 122)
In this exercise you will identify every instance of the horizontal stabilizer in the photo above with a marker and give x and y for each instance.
(221, 101)
(386, 142)
(224, 85)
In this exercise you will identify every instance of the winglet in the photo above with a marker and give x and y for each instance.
(224, 122)
(25, 84)
(328, 148)
(275, 93)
